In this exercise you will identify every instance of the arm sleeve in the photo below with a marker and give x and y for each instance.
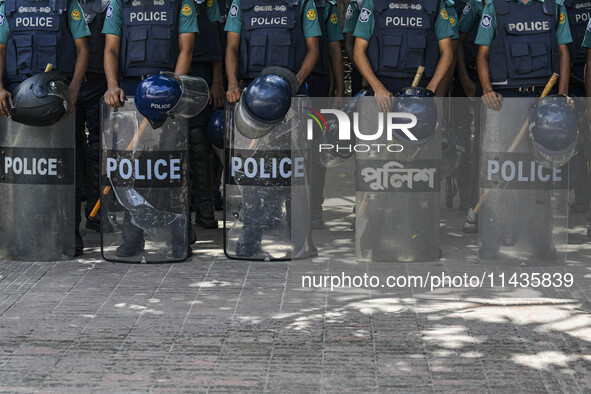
(310, 23)
(188, 18)
(76, 21)
(113, 21)
(234, 19)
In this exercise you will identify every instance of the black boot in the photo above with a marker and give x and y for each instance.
(249, 244)
(133, 239)
(202, 177)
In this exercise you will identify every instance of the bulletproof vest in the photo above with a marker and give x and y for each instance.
(271, 35)
(578, 17)
(470, 49)
(95, 13)
(524, 51)
(323, 64)
(404, 38)
(207, 47)
(39, 35)
(149, 40)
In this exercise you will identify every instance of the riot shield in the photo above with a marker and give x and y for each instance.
(523, 214)
(144, 187)
(266, 192)
(37, 195)
(397, 193)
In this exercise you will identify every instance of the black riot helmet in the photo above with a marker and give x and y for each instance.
(41, 100)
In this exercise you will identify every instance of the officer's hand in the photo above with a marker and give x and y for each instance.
(492, 100)
(384, 98)
(216, 95)
(469, 86)
(114, 97)
(233, 94)
(5, 102)
(73, 93)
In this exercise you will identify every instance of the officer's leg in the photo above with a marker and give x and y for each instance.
(202, 157)
(218, 169)
(133, 238)
(81, 154)
(253, 213)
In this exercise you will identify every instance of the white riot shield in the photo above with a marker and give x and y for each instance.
(144, 187)
(523, 215)
(37, 191)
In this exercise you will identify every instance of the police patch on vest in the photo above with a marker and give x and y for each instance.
(349, 13)
(562, 17)
(486, 21)
(334, 19)
(364, 15)
(233, 11)
(466, 8)
(311, 14)
(444, 14)
(109, 12)
(186, 10)
(76, 15)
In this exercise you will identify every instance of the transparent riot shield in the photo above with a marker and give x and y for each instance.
(397, 193)
(144, 187)
(37, 195)
(523, 208)
(266, 192)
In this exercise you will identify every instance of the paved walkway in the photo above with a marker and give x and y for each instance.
(213, 324)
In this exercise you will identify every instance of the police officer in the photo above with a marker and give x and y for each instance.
(587, 45)
(501, 76)
(578, 17)
(319, 85)
(351, 17)
(207, 64)
(391, 42)
(156, 37)
(267, 33)
(88, 106)
(30, 38)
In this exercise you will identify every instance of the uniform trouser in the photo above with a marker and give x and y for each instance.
(583, 188)
(356, 81)
(202, 157)
(88, 107)
(262, 210)
(318, 86)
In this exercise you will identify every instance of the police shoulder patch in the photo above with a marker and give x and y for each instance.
(486, 21)
(76, 14)
(467, 8)
(364, 15)
(349, 13)
(109, 12)
(209, 3)
(562, 17)
(589, 26)
(186, 10)
(452, 21)
(444, 14)
(334, 19)
(1, 19)
(311, 14)
(233, 11)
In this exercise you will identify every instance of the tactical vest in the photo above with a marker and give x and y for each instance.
(39, 35)
(404, 38)
(149, 40)
(470, 49)
(95, 13)
(524, 51)
(579, 13)
(271, 35)
(323, 64)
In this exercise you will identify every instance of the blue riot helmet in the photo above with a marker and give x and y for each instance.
(265, 102)
(155, 96)
(419, 102)
(41, 100)
(553, 131)
(215, 128)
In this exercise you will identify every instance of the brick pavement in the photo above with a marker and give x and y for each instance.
(213, 324)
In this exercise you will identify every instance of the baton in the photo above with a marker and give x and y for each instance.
(415, 83)
(107, 189)
(545, 92)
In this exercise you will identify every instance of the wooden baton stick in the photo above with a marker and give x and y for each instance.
(520, 135)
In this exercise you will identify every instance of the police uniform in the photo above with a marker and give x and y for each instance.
(543, 25)
(34, 34)
(149, 44)
(403, 36)
(579, 16)
(351, 17)
(206, 52)
(88, 105)
(272, 33)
